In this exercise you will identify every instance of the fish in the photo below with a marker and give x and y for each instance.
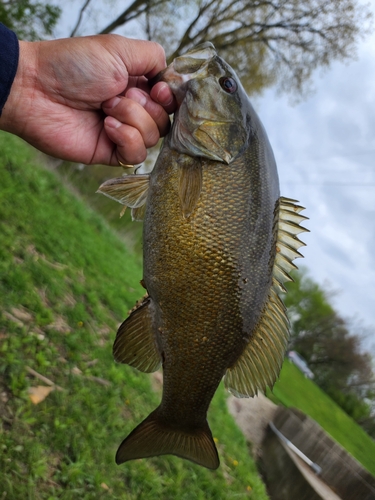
(218, 246)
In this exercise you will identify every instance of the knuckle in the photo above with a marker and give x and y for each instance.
(132, 146)
(138, 157)
(132, 137)
(152, 138)
(158, 49)
(158, 114)
(131, 157)
(159, 117)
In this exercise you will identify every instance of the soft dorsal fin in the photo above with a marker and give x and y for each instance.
(260, 363)
(130, 191)
(135, 343)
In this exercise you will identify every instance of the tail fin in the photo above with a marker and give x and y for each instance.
(154, 437)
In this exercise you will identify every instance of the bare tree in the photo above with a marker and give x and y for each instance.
(280, 41)
(80, 17)
(135, 10)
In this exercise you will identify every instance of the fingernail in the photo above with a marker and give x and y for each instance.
(112, 103)
(112, 122)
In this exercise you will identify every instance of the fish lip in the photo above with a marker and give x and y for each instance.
(200, 50)
(185, 68)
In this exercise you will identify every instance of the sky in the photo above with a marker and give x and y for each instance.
(325, 151)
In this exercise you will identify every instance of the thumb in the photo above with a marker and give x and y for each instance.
(141, 57)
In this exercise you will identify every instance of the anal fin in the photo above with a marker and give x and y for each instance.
(260, 363)
(135, 342)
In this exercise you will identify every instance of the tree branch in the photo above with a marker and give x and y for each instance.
(84, 7)
(136, 9)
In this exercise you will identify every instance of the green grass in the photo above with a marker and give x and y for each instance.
(66, 282)
(294, 389)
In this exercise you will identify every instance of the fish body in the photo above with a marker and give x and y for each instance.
(218, 243)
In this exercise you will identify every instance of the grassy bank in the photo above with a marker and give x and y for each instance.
(294, 389)
(66, 282)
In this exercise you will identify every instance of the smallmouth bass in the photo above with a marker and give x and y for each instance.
(218, 245)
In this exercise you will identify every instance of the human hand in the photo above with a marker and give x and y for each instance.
(87, 99)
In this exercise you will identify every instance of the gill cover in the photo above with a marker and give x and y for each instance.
(208, 124)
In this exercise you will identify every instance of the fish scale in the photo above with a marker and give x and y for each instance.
(218, 245)
(197, 272)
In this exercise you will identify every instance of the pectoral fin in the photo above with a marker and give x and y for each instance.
(260, 364)
(135, 342)
(190, 186)
(130, 191)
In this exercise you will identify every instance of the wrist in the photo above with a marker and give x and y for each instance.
(14, 115)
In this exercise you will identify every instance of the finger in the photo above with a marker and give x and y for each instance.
(140, 82)
(162, 94)
(130, 148)
(155, 110)
(132, 113)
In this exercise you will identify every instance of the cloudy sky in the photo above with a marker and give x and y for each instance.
(325, 150)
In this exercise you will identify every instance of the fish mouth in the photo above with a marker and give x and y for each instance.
(186, 67)
(194, 60)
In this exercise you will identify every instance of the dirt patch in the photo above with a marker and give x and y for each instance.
(252, 416)
(59, 325)
(157, 381)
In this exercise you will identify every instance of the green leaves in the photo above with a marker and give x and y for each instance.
(330, 345)
(29, 19)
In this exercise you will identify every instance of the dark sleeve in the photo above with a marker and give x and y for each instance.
(9, 53)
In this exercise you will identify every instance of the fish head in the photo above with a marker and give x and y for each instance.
(213, 109)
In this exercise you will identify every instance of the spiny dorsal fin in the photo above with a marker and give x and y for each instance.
(130, 191)
(135, 343)
(260, 363)
(287, 243)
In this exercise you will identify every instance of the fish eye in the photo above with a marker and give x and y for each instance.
(228, 84)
